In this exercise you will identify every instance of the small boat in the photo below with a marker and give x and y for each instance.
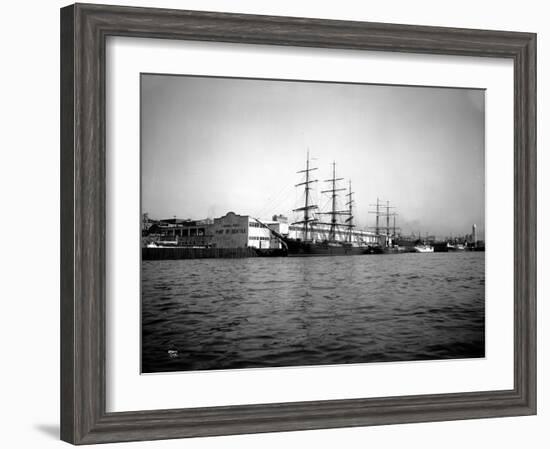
(163, 244)
(457, 247)
(424, 249)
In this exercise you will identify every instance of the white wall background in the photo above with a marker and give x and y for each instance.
(29, 139)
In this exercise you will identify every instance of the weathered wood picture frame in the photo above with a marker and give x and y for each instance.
(84, 29)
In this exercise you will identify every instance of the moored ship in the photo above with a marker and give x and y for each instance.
(325, 238)
(298, 247)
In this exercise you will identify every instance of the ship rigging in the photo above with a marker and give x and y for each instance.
(311, 242)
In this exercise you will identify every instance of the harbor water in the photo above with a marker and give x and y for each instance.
(207, 314)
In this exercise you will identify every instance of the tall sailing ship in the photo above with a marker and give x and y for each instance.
(314, 238)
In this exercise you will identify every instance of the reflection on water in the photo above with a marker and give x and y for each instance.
(242, 313)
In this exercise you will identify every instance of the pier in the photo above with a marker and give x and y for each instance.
(196, 253)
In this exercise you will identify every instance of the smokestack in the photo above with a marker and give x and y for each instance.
(474, 235)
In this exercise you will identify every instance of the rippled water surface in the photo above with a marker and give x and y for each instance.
(207, 314)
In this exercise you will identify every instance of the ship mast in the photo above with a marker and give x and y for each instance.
(307, 207)
(377, 212)
(387, 214)
(333, 213)
(349, 220)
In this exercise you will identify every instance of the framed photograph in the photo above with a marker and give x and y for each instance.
(274, 223)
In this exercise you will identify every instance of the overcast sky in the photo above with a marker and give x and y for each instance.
(213, 145)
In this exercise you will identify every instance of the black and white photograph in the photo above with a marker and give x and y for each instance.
(300, 223)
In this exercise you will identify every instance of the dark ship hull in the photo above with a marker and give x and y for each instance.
(301, 248)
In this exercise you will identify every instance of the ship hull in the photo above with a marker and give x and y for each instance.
(298, 248)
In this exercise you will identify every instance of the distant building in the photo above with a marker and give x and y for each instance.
(184, 232)
(280, 218)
